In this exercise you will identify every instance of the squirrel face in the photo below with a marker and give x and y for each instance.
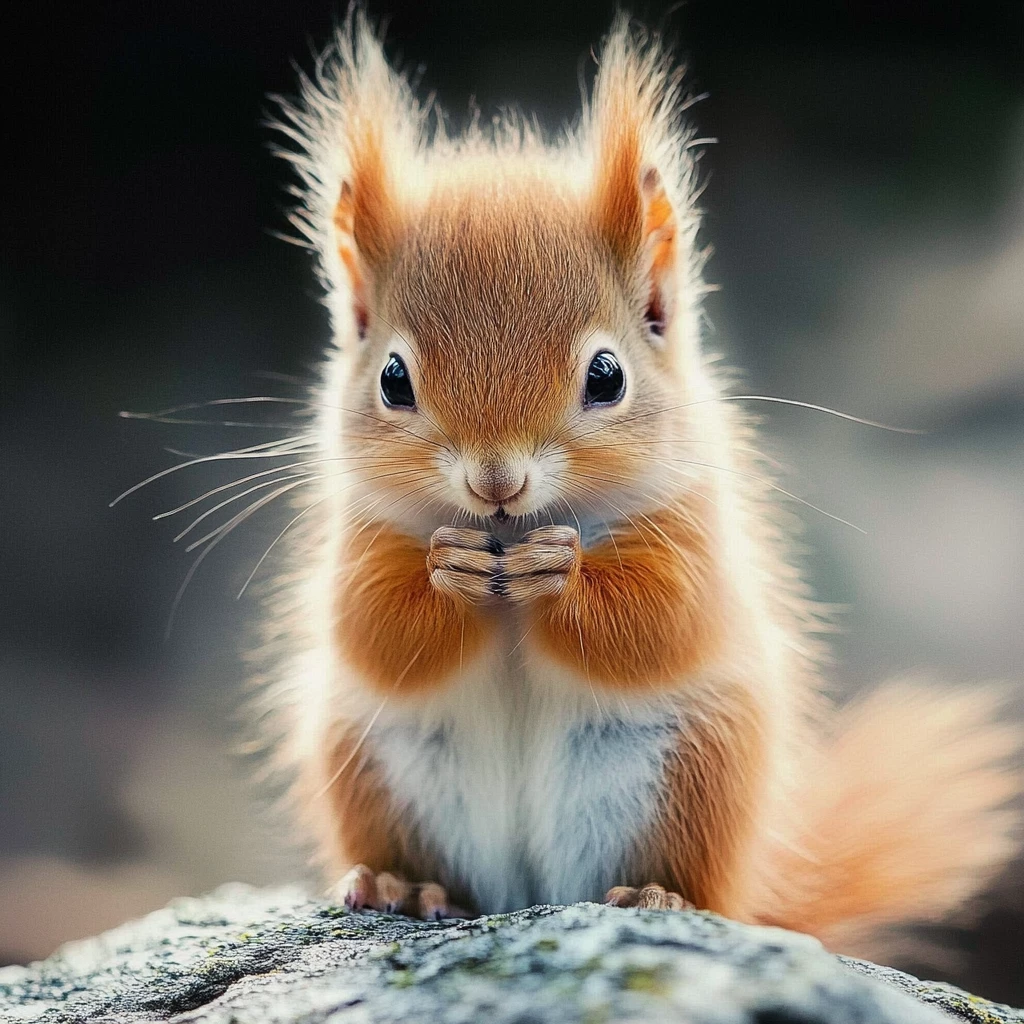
(516, 320)
(508, 368)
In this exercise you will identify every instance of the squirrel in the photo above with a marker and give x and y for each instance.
(550, 644)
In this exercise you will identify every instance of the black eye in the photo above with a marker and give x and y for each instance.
(606, 383)
(395, 386)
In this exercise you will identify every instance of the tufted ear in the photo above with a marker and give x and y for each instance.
(365, 221)
(356, 127)
(632, 133)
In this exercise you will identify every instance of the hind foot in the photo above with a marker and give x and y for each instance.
(361, 889)
(650, 897)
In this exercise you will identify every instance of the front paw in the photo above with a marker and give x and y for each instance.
(542, 564)
(465, 564)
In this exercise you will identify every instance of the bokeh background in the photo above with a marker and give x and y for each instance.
(866, 205)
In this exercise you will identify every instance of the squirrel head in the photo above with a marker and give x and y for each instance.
(516, 320)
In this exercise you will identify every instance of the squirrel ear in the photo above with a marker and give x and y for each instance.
(365, 222)
(356, 127)
(658, 250)
(637, 220)
(632, 126)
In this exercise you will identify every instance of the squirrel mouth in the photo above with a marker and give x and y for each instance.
(501, 515)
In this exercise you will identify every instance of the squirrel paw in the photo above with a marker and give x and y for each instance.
(361, 889)
(650, 897)
(465, 563)
(475, 566)
(540, 564)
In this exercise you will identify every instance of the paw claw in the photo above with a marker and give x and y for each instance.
(361, 889)
(649, 897)
(358, 888)
(433, 901)
(565, 536)
(541, 564)
(392, 892)
(463, 563)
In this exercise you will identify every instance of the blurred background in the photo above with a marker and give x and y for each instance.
(866, 206)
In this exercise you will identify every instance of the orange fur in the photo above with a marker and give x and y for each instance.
(905, 816)
(366, 827)
(702, 844)
(396, 629)
(375, 221)
(641, 610)
(512, 238)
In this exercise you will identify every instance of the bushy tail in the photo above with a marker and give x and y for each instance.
(909, 817)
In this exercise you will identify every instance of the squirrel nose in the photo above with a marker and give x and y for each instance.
(496, 481)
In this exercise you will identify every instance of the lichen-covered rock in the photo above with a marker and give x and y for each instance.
(248, 956)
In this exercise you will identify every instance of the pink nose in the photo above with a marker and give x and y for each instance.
(496, 482)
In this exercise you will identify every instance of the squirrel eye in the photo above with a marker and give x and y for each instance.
(395, 385)
(606, 383)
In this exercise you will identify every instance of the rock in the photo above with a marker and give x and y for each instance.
(250, 956)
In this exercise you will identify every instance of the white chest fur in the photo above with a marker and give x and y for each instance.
(528, 789)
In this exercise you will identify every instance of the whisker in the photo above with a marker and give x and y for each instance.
(819, 408)
(256, 568)
(755, 398)
(384, 525)
(154, 418)
(391, 505)
(194, 567)
(255, 451)
(624, 515)
(236, 497)
(280, 451)
(651, 442)
(564, 501)
(764, 482)
(246, 454)
(355, 750)
(283, 378)
(628, 481)
(226, 528)
(225, 487)
(393, 426)
(212, 403)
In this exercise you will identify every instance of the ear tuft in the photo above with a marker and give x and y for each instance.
(365, 222)
(641, 170)
(356, 127)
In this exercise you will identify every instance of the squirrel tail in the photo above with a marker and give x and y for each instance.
(910, 817)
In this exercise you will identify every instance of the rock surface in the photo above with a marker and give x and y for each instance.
(249, 956)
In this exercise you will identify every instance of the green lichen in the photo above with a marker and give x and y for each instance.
(402, 978)
(241, 956)
(652, 980)
(974, 1008)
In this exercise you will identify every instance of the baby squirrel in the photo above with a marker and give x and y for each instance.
(552, 647)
